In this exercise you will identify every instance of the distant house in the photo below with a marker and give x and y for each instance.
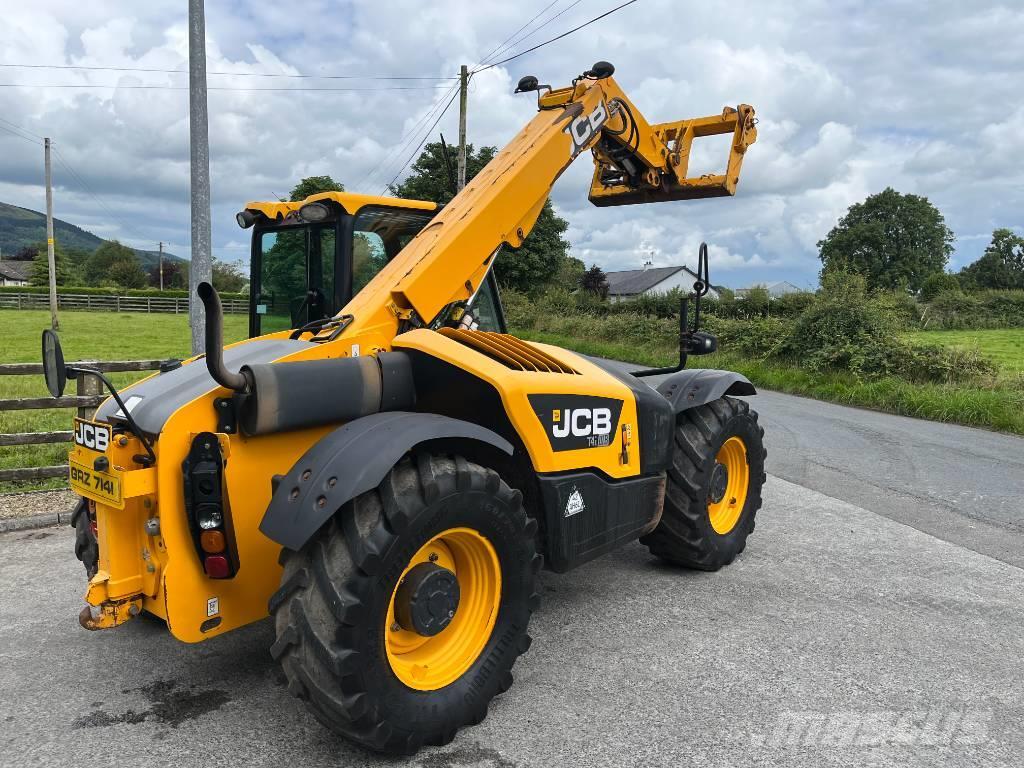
(775, 290)
(14, 272)
(631, 283)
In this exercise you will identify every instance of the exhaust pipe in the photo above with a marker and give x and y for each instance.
(215, 342)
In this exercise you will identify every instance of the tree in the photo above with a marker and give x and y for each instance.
(39, 272)
(541, 255)
(175, 275)
(595, 281)
(312, 185)
(97, 268)
(127, 273)
(940, 282)
(229, 276)
(895, 241)
(1002, 264)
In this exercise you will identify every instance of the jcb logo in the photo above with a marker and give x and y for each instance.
(584, 127)
(582, 422)
(572, 422)
(90, 435)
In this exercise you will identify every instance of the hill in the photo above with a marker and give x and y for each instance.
(20, 227)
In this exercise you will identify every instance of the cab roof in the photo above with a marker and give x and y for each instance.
(350, 201)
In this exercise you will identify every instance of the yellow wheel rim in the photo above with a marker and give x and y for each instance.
(429, 663)
(726, 512)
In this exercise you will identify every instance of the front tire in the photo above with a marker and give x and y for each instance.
(364, 634)
(713, 489)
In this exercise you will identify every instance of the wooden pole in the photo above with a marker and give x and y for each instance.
(463, 94)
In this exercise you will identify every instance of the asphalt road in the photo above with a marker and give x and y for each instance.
(841, 637)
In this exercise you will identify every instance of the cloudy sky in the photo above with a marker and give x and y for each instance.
(851, 97)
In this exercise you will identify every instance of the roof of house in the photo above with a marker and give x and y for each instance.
(15, 270)
(631, 282)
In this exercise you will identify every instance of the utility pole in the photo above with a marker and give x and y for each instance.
(161, 265)
(200, 269)
(50, 256)
(463, 84)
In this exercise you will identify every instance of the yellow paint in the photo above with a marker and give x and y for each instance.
(429, 663)
(726, 513)
(444, 264)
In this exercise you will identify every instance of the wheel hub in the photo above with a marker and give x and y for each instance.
(719, 483)
(427, 599)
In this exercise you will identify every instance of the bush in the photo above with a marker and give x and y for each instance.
(937, 283)
(953, 310)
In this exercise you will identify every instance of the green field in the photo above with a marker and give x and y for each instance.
(84, 336)
(1005, 346)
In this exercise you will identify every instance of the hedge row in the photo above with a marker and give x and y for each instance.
(954, 310)
(88, 291)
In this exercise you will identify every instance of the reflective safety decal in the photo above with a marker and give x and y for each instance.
(575, 503)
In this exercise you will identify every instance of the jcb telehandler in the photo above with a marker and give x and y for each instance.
(382, 468)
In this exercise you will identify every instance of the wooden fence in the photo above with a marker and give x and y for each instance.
(90, 393)
(98, 302)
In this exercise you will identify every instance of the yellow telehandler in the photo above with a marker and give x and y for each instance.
(382, 468)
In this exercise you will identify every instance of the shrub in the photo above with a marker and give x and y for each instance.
(953, 310)
(937, 283)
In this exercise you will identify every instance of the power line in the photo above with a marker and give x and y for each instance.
(406, 139)
(18, 135)
(216, 87)
(427, 134)
(500, 46)
(530, 34)
(553, 39)
(226, 74)
(22, 129)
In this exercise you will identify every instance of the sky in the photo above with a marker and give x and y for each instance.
(851, 97)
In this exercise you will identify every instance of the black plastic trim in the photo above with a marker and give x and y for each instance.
(697, 386)
(352, 460)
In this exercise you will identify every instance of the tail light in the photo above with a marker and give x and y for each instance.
(206, 504)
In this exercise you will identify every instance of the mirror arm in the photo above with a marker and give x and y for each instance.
(74, 371)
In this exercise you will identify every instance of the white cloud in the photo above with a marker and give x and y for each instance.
(849, 102)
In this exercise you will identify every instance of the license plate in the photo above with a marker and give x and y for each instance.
(98, 486)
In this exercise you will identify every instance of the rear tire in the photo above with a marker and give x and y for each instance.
(717, 456)
(335, 611)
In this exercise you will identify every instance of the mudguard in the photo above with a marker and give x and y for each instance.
(697, 386)
(351, 460)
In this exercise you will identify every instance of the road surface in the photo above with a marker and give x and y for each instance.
(886, 629)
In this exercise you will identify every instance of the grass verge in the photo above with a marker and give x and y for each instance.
(999, 406)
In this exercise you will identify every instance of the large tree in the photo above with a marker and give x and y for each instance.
(1002, 264)
(545, 250)
(892, 240)
(39, 272)
(312, 185)
(98, 267)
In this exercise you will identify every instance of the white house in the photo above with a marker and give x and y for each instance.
(630, 283)
(14, 272)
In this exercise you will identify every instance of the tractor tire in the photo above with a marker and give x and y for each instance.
(401, 619)
(86, 548)
(713, 489)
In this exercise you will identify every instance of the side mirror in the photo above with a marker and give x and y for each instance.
(54, 369)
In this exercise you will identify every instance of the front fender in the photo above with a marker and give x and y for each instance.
(697, 386)
(351, 460)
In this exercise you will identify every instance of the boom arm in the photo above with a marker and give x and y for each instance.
(635, 162)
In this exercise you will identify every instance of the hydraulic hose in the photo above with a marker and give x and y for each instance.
(215, 341)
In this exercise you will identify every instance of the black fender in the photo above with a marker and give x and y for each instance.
(351, 460)
(697, 386)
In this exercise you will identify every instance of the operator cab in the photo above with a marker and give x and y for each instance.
(309, 258)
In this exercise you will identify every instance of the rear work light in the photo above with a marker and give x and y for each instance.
(206, 505)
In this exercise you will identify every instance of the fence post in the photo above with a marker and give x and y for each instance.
(149, 305)
(88, 385)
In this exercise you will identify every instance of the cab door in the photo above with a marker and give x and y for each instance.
(292, 280)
